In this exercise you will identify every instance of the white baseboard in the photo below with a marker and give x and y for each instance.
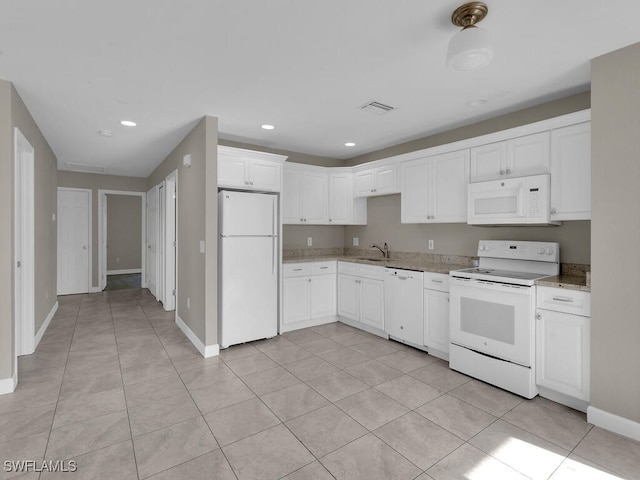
(124, 272)
(45, 325)
(205, 351)
(95, 290)
(614, 423)
(576, 404)
(8, 385)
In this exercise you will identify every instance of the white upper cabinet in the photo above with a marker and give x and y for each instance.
(344, 209)
(434, 189)
(571, 172)
(517, 157)
(304, 195)
(249, 170)
(376, 181)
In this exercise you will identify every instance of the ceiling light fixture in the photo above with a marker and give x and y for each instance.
(470, 48)
(128, 123)
(266, 126)
(349, 144)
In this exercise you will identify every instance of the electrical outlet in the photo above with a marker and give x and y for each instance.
(201, 246)
(188, 302)
(309, 241)
(430, 244)
(117, 259)
(356, 242)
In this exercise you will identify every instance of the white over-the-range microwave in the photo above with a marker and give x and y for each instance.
(511, 201)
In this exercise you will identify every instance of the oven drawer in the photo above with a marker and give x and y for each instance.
(564, 300)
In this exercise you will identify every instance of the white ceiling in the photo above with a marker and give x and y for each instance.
(304, 66)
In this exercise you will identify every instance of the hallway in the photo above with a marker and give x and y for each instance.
(116, 386)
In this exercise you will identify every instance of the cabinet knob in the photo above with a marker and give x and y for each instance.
(302, 219)
(330, 220)
(309, 280)
(554, 211)
(246, 182)
(401, 327)
(250, 183)
(508, 172)
(501, 172)
(538, 317)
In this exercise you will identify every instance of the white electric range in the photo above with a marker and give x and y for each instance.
(492, 311)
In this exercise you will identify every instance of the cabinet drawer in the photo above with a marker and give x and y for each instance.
(436, 281)
(563, 300)
(348, 268)
(296, 269)
(323, 268)
(372, 272)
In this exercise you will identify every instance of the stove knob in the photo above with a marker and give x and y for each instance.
(541, 250)
(550, 251)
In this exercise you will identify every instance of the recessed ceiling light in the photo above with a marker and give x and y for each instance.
(266, 126)
(105, 133)
(349, 144)
(478, 102)
(128, 123)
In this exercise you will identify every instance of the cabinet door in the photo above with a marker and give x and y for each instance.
(314, 198)
(348, 297)
(265, 175)
(528, 155)
(488, 162)
(323, 295)
(562, 353)
(340, 199)
(291, 197)
(386, 180)
(448, 185)
(571, 172)
(297, 299)
(365, 183)
(436, 320)
(414, 200)
(372, 303)
(232, 172)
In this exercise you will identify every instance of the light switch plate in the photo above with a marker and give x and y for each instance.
(430, 244)
(356, 241)
(201, 246)
(309, 241)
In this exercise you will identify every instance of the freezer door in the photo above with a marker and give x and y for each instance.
(242, 213)
(249, 289)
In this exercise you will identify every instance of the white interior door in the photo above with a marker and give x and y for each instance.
(74, 240)
(160, 250)
(24, 278)
(152, 239)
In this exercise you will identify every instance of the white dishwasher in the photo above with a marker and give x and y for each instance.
(403, 305)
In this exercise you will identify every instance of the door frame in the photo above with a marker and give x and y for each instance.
(156, 189)
(102, 234)
(170, 237)
(24, 245)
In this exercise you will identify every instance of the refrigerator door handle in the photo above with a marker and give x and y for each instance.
(273, 254)
(274, 214)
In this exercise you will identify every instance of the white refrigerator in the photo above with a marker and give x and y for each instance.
(248, 266)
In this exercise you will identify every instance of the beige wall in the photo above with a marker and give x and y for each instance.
(124, 232)
(197, 220)
(615, 322)
(573, 103)
(7, 353)
(13, 113)
(295, 236)
(383, 225)
(96, 182)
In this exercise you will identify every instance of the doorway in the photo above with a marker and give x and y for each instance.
(117, 254)
(24, 241)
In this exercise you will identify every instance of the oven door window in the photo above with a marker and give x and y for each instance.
(488, 319)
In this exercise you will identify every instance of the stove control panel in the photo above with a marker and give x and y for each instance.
(519, 250)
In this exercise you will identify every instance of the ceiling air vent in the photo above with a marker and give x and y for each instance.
(84, 168)
(376, 107)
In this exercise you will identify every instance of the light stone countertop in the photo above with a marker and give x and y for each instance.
(412, 264)
(569, 282)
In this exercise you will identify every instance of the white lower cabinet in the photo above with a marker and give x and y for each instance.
(436, 314)
(563, 343)
(309, 294)
(361, 296)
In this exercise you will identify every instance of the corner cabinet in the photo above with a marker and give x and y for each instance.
(309, 294)
(517, 157)
(249, 170)
(344, 209)
(571, 172)
(376, 181)
(563, 342)
(434, 189)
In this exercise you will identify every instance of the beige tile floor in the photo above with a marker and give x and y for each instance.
(115, 386)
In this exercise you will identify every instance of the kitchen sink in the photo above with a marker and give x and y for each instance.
(369, 259)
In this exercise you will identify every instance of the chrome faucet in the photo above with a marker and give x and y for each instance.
(384, 250)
